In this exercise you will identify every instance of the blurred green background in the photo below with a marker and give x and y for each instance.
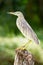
(10, 36)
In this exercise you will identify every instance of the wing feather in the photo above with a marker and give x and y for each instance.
(26, 30)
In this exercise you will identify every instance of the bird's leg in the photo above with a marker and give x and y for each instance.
(24, 46)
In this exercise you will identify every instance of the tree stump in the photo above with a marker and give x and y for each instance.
(23, 57)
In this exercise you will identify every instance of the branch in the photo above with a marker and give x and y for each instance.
(23, 57)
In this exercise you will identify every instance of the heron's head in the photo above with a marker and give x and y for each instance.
(18, 13)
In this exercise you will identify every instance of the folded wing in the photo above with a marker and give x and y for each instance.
(26, 30)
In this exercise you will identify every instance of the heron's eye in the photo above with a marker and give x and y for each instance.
(17, 12)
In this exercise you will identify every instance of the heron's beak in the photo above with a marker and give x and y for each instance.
(11, 13)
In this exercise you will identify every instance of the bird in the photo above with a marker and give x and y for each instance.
(25, 28)
(29, 34)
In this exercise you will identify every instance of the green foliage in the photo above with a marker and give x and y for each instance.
(29, 8)
(33, 12)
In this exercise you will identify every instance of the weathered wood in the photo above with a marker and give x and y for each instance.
(23, 57)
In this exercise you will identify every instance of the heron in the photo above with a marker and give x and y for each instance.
(29, 34)
(24, 27)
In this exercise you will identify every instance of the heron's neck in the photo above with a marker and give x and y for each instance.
(21, 16)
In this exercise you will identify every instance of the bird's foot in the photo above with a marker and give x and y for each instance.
(24, 46)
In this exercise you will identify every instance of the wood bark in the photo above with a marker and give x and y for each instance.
(23, 57)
